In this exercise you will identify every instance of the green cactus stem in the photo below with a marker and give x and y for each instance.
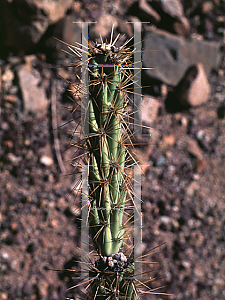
(105, 143)
(107, 160)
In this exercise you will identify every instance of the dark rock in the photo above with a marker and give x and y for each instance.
(32, 248)
(25, 21)
(147, 12)
(172, 16)
(170, 56)
(27, 289)
(221, 112)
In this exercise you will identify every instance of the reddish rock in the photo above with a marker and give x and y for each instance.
(194, 89)
(206, 7)
(8, 75)
(10, 98)
(168, 141)
(193, 149)
(182, 26)
(200, 165)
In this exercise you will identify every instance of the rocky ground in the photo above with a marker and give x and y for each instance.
(183, 161)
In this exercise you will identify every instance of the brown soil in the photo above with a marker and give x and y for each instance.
(183, 201)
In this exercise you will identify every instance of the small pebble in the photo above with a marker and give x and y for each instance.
(194, 149)
(42, 289)
(54, 223)
(200, 165)
(160, 161)
(10, 98)
(46, 160)
(27, 289)
(168, 141)
(7, 75)
(191, 189)
(3, 296)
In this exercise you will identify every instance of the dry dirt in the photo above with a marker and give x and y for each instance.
(183, 199)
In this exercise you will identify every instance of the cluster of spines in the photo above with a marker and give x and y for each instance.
(109, 185)
(110, 188)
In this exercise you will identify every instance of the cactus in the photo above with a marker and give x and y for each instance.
(107, 160)
(110, 77)
(107, 152)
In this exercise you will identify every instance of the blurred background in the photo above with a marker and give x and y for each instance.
(182, 154)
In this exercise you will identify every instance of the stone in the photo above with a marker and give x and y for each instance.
(103, 26)
(170, 56)
(181, 26)
(27, 289)
(149, 110)
(46, 160)
(42, 287)
(193, 149)
(34, 96)
(200, 165)
(77, 6)
(71, 31)
(168, 141)
(147, 12)
(160, 161)
(173, 8)
(10, 98)
(165, 220)
(175, 19)
(8, 75)
(191, 189)
(3, 296)
(154, 135)
(164, 90)
(65, 31)
(27, 21)
(15, 160)
(206, 7)
(194, 88)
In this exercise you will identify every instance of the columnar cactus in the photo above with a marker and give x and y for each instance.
(107, 152)
(107, 178)
(110, 192)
